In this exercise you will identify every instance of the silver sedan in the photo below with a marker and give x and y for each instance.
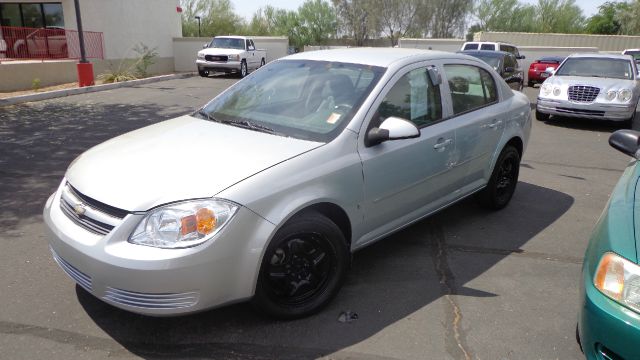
(593, 86)
(265, 192)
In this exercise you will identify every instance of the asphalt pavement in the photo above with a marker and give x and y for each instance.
(463, 284)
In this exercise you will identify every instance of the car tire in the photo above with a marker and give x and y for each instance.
(634, 122)
(203, 73)
(243, 69)
(262, 62)
(531, 84)
(542, 116)
(504, 178)
(578, 339)
(303, 267)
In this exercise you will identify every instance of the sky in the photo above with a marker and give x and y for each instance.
(247, 8)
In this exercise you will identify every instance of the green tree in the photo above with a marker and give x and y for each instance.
(318, 20)
(398, 18)
(449, 17)
(559, 16)
(358, 19)
(505, 15)
(629, 18)
(607, 21)
(217, 18)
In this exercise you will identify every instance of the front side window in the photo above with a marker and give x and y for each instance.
(510, 61)
(413, 98)
(471, 87)
(304, 99)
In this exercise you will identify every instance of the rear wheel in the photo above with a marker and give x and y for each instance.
(503, 181)
(541, 116)
(531, 84)
(303, 268)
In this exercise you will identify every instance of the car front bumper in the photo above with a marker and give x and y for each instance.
(228, 66)
(559, 107)
(156, 281)
(606, 327)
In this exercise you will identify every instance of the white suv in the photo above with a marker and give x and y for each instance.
(493, 46)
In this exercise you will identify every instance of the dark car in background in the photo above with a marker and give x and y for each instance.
(537, 69)
(504, 63)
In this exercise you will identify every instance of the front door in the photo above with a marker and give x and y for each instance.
(404, 179)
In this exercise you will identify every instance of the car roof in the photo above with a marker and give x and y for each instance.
(231, 37)
(552, 58)
(487, 42)
(383, 57)
(602, 56)
(489, 53)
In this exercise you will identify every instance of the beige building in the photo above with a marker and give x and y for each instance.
(123, 24)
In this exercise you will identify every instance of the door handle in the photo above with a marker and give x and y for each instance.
(495, 124)
(442, 144)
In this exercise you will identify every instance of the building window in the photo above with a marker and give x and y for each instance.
(32, 15)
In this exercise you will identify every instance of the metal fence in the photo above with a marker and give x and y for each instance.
(47, 43)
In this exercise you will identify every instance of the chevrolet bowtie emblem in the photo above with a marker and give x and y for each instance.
(79, 209)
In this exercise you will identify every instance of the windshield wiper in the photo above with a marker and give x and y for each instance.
(239, 123)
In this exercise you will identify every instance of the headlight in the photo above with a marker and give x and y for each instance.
(611, 94)
(619, 279)
(234, 57)
(200, 56)
(556, 91)
(546, 89)
(182, 225)
(624, 95)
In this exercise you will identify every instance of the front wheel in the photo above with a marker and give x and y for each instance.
(243, 69)
(503, 181)
(303, 267)
(262, 62)
(203, 73)
(634, 122)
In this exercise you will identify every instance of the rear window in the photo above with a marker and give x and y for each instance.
(487, 47)
(471, 47)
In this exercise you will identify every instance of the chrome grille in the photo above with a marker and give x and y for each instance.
(88, 213)
(583, 93)
(78, 276)
(151, 301)
(221, 58)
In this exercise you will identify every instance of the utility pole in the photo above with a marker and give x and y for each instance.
(85, 68)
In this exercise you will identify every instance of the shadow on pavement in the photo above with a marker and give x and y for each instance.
(595, 125)
(389, 281)
(39, 140)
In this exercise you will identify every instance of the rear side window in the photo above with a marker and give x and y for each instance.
(487, 47)
(471, 87)
(471, 47)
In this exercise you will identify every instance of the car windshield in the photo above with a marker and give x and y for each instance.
(227, 43)
(634, 54)
(596, 67)
(493, 61)
(310, 100)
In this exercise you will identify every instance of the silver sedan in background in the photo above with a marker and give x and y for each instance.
(593, 86)
(265, 192)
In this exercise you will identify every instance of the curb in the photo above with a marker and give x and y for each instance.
(88, 89)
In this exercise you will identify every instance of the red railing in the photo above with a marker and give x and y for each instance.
(47, 43)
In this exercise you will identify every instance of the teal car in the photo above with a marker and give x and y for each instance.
(609, 320)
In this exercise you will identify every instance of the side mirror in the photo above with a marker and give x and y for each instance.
(392, 128)
(205, 46)
(626, 141)
(550, 70)
(509, 69)
(521, 57)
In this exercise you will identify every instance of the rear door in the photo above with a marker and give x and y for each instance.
(480, 120)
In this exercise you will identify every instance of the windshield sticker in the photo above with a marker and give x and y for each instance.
(333, 118)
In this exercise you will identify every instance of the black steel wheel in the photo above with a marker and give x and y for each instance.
(303, 267)
(203, 73)
(503, 181)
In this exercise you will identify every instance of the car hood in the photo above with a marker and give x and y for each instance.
(178, 159)
(220, 51)
(602, 83)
